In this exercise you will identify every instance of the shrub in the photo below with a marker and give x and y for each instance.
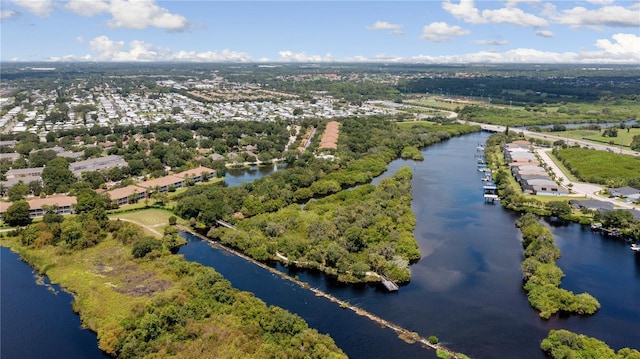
(144, 246)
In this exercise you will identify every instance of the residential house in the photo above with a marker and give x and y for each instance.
(127, 195)
(97, 164)
(162, 184)
(197, 175)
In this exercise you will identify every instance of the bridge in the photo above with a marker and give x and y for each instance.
(227, 225)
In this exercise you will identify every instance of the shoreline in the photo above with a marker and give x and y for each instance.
(404, 334)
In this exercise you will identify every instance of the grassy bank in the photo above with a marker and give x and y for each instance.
(160, 305)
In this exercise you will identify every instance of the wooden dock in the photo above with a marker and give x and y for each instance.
(403, 333)
(390, 285)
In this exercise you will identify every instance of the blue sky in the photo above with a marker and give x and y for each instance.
(444, 31)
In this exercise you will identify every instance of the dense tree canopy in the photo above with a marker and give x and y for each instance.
(17, 214)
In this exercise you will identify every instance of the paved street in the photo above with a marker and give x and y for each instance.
(580, 189)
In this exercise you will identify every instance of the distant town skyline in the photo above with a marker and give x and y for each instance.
(448, 31)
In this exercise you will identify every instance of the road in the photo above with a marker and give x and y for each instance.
(580, 189)
(549, 137)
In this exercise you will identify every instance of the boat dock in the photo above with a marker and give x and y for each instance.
(490, 193)
(390, 285)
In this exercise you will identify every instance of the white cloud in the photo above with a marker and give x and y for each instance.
(622, 48)
(87, 7)
(140, 14)
(383, 25)
(601, 2)
(105, 47)
(132, 14)
(513, 16)
(467, 11)
(109, 50)
(625, 49)
(624, 45)
(441, 32)
(8, 14)
(512, 3)
(492, 42)
(41, 8)
(544, 33)
(614, 16)
(289, 56)
(212, 56)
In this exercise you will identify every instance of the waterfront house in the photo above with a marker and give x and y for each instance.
(62, 205)
(197, 175)
(591, 205)
(630, 193)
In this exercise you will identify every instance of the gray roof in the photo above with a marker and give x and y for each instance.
(530, 168)
(624, 191)
(541, 182)
(591, 204)
(21, 172)
(96, 164)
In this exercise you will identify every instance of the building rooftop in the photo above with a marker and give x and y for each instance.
(125, 191)
(194, 172)
(160, 182)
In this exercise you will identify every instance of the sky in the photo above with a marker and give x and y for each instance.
(428, 31)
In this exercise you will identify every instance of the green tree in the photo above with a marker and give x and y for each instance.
(57, 177)
(558, 208)
(144, 246)
(17, 214)
(18, 191)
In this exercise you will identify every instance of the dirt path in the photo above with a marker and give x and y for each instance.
(149, 228)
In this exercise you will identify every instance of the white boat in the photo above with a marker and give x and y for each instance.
(635, 247)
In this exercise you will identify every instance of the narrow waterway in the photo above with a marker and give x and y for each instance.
(467, 288)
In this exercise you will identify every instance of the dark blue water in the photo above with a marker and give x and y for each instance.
(36, 321)
(238, 176)
(357, 336)
(467, 288)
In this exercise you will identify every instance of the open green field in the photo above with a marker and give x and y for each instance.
(147, 217)
(600, 166)
(625, 136)
(152, 220)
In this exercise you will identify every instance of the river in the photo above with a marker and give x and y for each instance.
(466, 289)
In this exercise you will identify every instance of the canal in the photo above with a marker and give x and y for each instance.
(466, 289)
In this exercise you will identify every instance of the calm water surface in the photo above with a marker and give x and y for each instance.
(467, 288)
(36, 321)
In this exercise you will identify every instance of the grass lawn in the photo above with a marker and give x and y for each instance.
(152, 220)
(624, 138)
